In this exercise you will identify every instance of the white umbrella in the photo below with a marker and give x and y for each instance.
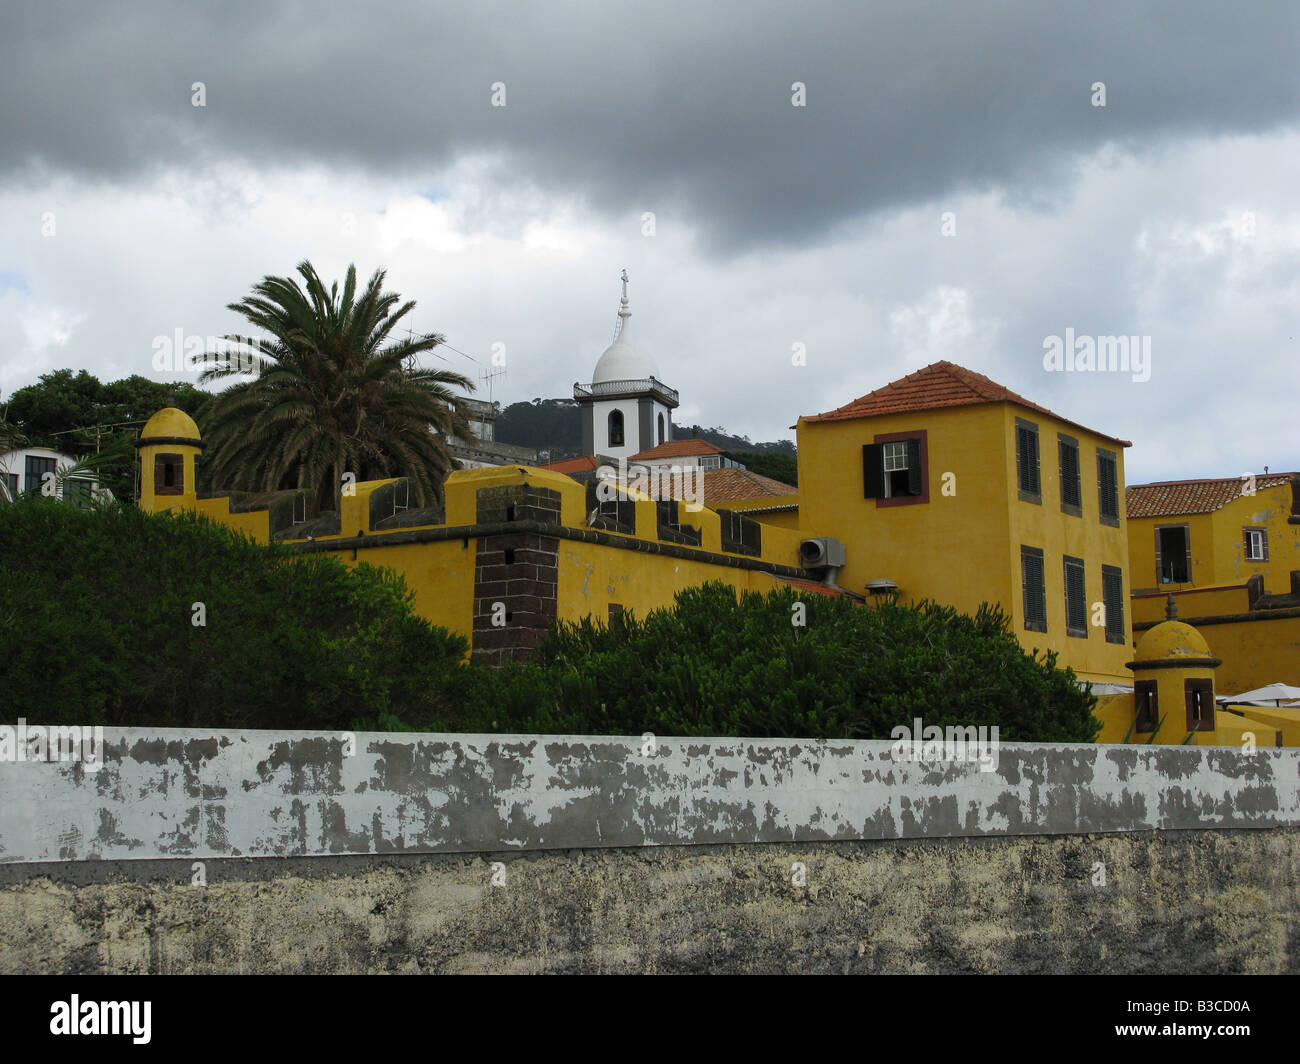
(1111, 689)
(1272, 695)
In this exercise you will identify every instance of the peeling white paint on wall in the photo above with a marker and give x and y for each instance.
(168, 793)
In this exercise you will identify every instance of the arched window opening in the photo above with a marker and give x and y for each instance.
(616, 428)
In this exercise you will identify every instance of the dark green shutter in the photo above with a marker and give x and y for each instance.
(1112, 593)
(914, 470)
(1071, 494)
(1076, 607)
(1108, 485)
(1027, 459)
(1032, 576)
(873, 471)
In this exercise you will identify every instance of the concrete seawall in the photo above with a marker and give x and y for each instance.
(266, 852)
(166, 793)
(1156, 902)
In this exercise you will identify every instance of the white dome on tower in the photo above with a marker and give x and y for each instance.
(624, 360)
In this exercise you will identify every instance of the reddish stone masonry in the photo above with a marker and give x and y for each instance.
(520, 571)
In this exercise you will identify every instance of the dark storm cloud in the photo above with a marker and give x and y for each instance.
(646, 107)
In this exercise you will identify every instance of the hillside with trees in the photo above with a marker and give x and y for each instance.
(555, 426)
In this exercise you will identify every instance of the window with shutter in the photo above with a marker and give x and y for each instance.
(1027, 463)
(1255, 541)
(1076, 606)
(1108, 487)
(1071, 487)
(1173, 554)
(1112, 595)
(894, 469)
(1032, 578)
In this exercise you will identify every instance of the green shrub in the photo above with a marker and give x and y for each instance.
(722, 665)
(96, 626)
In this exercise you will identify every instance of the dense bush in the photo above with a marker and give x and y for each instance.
(96, 627)
(718, 665)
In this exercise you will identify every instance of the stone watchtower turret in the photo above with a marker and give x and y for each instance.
(168, 451)
(1173, 681)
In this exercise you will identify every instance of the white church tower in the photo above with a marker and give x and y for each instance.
(626, 410)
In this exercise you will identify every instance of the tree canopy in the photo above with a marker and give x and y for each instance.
(331, 392)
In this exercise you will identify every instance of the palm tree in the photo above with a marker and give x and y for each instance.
(330, 394)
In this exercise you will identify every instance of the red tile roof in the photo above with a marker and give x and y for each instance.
(939, 385)
(677, 449)
(721, 486)
(572, 465)
(1171, 498)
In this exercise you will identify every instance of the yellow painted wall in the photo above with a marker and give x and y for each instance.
(963, 548)
(1255, 653)
(592, 577)
(440, 573)
(1268, 509)
(913, 545)
(781, 519)
(1059, 534)
(1202, 531)
(1218, 554)
(1191, 602)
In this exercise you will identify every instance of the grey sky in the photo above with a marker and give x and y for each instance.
(366, 133)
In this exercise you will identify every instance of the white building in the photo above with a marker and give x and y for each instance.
(40, 469)
(626, 409)
(687, 454)
(481, 450)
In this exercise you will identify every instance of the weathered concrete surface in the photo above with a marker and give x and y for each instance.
(170, 793)
(1185, 902)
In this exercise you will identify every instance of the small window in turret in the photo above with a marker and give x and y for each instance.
(1146, 706)
(169, 474)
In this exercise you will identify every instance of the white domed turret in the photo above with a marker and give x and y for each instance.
(626, 409)
(624, 360)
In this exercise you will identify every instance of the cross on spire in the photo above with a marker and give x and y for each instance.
(623, 312)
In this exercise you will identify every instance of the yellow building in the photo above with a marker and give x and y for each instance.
(935, 483)
(1209, 540)
(1228, 550)
(510, 549)
(1174, 699)
(951, 487)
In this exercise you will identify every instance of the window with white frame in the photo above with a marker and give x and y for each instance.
(896, 469)
(1256, 543)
